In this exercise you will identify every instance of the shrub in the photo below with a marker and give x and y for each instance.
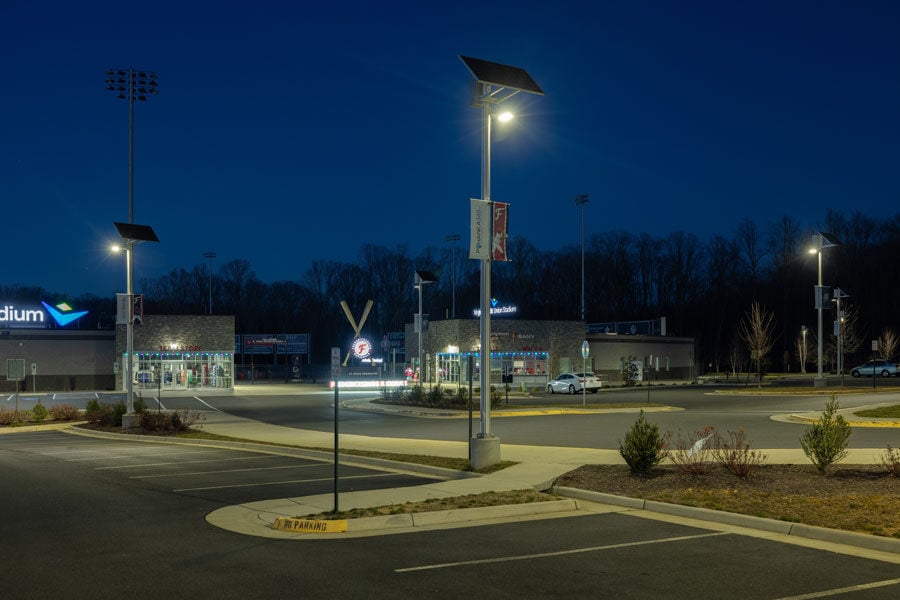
(11, 417)
(139, 405)
(63, 412)
(170, 421)
(825, 442)
(644, 447)
(694, 454)
(39, 412)
(735, 454)
(630, 372)
(890, 460)
(104, 414)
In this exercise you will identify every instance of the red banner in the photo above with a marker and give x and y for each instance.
(500, 222)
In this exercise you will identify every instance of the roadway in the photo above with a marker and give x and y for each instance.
(311, 407)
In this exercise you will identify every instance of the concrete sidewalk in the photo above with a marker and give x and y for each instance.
(538, 468)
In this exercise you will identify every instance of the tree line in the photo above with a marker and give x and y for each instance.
(703, 288)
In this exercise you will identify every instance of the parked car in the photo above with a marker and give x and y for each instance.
(876, 367)
(572, 383)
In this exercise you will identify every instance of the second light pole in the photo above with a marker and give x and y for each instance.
(581, 200)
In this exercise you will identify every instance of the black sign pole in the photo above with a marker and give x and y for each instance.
(336, 444)
(469, 373)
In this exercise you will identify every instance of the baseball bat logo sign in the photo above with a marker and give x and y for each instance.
(362, 348)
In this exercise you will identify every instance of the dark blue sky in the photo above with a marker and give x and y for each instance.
(286, 132)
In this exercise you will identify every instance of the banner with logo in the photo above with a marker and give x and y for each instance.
(480, 229)
(500, 222)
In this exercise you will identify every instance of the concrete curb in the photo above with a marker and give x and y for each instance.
(822, 534)
(463, 515)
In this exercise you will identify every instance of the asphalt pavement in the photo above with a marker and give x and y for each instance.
(538, 467)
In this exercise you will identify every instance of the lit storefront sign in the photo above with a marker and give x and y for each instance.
(36, 318)
(498, 309)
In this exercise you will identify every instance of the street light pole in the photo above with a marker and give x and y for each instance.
(820, 242)
(491, 83)
(131, 85)
(582, 199)
(803, 331)
(453, 238)
(210, 256)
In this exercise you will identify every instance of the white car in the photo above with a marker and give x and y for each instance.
(572, 383)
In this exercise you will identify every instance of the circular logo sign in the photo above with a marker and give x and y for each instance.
(362, 347)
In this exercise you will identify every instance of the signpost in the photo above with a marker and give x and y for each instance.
(874, 350)
(335, 374)
(15, 371)
(585, 352)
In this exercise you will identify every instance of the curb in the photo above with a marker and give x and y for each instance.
(378, 524)
(822, 534)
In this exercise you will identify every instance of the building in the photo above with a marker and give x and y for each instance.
(179, 352)
(529, 353)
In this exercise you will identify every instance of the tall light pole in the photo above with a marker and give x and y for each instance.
(803, 331)
(581, 200)
(453, 238)
(820, 242)
(131, 235)
(130, 84)
(491, 84)
(210, 256)
(421, 278)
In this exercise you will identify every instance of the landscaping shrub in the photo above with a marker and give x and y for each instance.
(105, 414)
(64, 412)
(170, 421)
(39, 412)
(825, 442)
(693, 454)
(644, 447)
(735, 454)
(12, 417)
(139, 405)
(890, 460)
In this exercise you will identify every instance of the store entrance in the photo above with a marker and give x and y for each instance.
(184, 371)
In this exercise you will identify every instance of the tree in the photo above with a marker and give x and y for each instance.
(757, 330)
(887, 344)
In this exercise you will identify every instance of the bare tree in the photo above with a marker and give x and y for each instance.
(757, 329)
(887, 344)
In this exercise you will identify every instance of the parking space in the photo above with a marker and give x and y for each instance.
(222, 475)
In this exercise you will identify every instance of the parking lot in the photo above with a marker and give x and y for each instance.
(222, 475)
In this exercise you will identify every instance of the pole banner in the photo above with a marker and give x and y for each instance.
(500, 235)
(480, 229)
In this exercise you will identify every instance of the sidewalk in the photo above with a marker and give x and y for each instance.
(538, 468)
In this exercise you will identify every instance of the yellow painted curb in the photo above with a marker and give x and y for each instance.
(310, 525)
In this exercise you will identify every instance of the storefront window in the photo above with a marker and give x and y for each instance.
(529, 368)
(184, 370)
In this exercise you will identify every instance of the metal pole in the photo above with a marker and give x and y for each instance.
(420, 374)
(582, 199)
(820, 377)
(129, 327)
(485, 375)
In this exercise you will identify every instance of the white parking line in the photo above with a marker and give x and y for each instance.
(142, 455)
(224, 471)
(845, 590)
(183, 462)
(244, 485)
(199, 399)
(501, 559)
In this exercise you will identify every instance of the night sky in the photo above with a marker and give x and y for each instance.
(287, 132)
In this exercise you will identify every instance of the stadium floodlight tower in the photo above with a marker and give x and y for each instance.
(131, 234)
(491, 84)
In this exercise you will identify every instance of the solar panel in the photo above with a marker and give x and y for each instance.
(426, 276)
(502, 75)
(136, 233)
